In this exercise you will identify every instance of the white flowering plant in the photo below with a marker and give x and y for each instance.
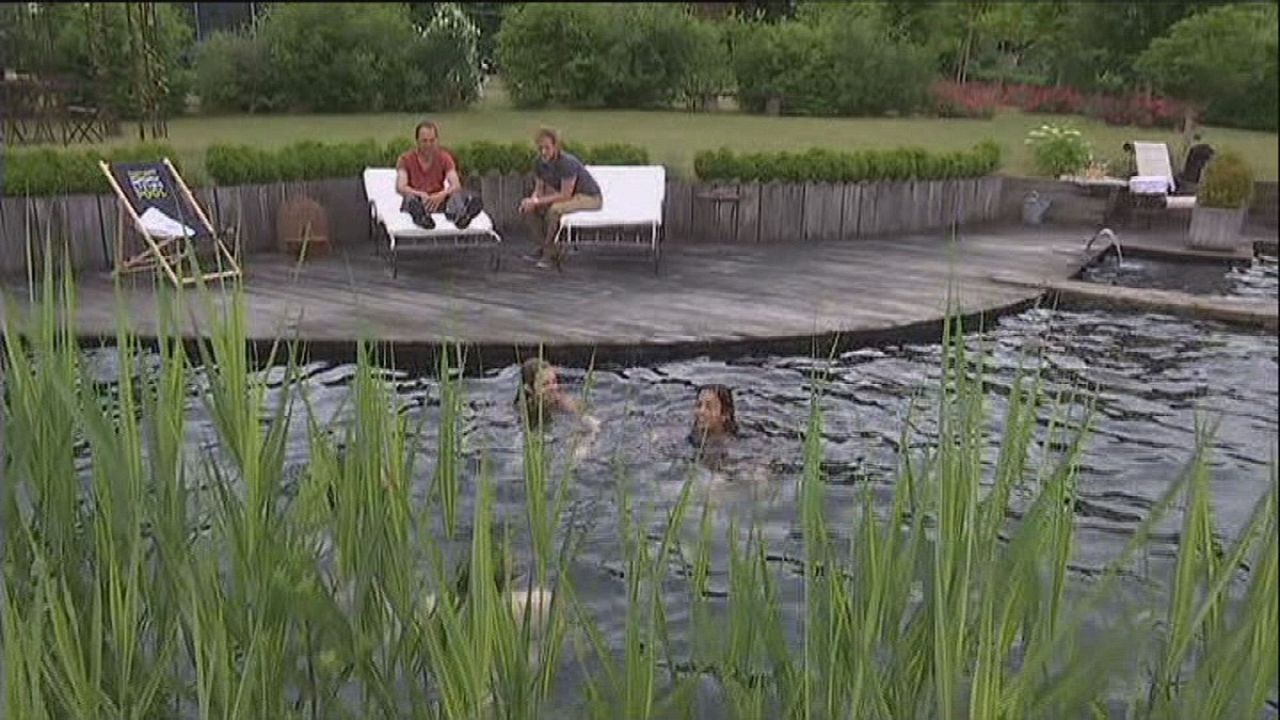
(1058, 150)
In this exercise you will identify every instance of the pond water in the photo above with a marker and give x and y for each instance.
(1257, 279)
(1153, 377)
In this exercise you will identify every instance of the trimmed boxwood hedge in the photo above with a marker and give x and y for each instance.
(68, 172)
(65, 172)
(310, 160)
(817, 165)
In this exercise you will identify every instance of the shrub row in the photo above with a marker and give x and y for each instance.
(818, 165)
(67, 172)
(310, 160)
(64, 172)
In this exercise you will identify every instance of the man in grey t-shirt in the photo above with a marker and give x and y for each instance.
(561, 185)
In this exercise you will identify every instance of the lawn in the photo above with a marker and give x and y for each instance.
(673, 137)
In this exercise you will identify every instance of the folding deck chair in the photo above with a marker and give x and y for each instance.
(399, 231)
(171, 222)
(1154, 187)
(631, 213)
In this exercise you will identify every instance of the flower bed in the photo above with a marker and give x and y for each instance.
(981, 99)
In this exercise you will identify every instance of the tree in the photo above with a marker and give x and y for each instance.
(1223, 59)
(1100, 41)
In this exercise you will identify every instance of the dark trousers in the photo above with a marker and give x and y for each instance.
(454, 205)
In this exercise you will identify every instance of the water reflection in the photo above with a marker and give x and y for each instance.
(1152, 378)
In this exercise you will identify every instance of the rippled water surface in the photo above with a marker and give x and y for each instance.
(1152, 378)
(1258, 279)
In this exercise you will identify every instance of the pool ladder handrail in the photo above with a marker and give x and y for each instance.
(1112, 240)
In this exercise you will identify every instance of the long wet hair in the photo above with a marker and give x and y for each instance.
(527, 398)
(725, 395)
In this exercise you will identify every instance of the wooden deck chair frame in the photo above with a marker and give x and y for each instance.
(160, 252)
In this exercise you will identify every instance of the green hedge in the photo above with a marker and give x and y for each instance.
(310, 160)
(69, 172)
(818, 165)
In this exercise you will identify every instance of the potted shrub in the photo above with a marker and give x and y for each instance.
(1222, 201)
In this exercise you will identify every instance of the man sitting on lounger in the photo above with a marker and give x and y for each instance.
(427, 177)
(561, 185)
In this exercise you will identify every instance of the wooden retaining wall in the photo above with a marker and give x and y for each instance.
(85, 226)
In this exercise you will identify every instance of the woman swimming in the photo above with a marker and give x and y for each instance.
(540, 395)
(713, 414)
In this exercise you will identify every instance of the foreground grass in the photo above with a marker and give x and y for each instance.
(171, 583)
(673, 137)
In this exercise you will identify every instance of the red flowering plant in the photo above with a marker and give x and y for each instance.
(968, 100)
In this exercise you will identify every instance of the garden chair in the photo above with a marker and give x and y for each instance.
(173, 225)
(1153, 188)
(631, 212)
(399, 232)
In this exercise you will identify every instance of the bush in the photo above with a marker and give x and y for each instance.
(835, 63)
(1134, 110)
(1224, 59)
(1040, 99)
(483, 157)
(234, 73)
(819, 165)
(788, 61)
(444, 62)
(601, 55)
(877, 73)
(1228, 182)
(311, 160)
(969, 100)
(1058, 150)
(710, 74)
(68, 172)
(339, 57)
(82, 28)
(348, 57)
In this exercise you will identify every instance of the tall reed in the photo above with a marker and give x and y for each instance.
(149, 573)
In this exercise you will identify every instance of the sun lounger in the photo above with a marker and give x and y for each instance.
(1155, 177)
(630, 215)
(394, 227)
(162, 209)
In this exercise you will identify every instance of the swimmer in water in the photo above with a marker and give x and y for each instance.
(540, 395)
(714, 424)
(713, 414)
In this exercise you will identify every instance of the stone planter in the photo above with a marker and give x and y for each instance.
(1216, 228)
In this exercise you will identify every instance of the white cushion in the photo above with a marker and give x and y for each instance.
(632, 195)
(158, 224)
(1152, 160)
(380, 188)
(1150, 185)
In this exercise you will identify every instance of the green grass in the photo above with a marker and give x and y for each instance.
(673, 137)
(170, 584)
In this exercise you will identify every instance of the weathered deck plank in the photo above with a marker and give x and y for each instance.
(706, 294)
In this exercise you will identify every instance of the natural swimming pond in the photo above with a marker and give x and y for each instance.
(1151, 378)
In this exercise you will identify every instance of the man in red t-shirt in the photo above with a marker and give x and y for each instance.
(427, 178)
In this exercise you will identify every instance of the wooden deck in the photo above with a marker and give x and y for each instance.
(718, 300)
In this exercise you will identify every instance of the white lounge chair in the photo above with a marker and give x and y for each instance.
(398, 230)
(1154, 185)
(630, 215)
